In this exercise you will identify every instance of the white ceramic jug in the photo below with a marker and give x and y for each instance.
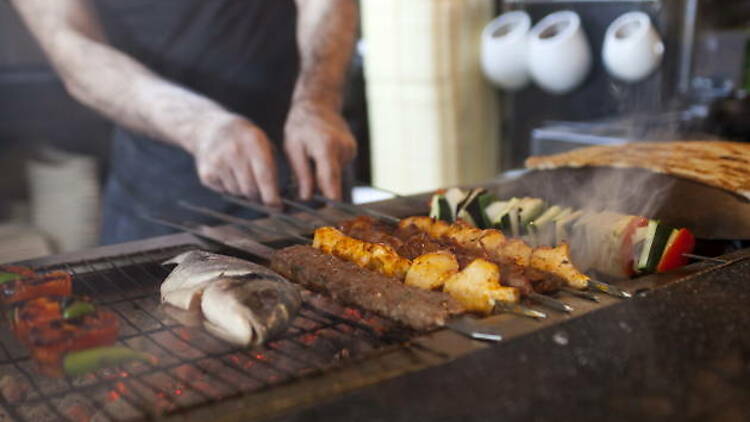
(559, 53)
(504, 50)
(632, 48)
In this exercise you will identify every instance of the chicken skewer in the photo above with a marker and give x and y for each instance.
(515, 248)
(545, 300)
(412, 245)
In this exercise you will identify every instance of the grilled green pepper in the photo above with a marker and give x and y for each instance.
(77, 309)
(90, 360)
(6, 277)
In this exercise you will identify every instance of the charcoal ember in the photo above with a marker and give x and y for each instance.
(77, 408)
(225, 372)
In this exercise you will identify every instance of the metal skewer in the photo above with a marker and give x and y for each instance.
(309, 210)
(704, 258)
(550, 302)
(255, 249)
(467, 326)
(609, 289)
(254, 228)
(581, 293)
(397, 195)
(272, 213)
(357, 210)
(516, 309)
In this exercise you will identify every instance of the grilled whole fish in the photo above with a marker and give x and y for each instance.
(242, 302)
(195, 270)
(249, 309)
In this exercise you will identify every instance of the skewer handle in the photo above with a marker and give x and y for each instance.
(357, 210)
(551, 302)
(469, 327)
(609, 289)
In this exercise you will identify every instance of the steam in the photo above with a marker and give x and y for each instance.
(628, 191)
(605, 191)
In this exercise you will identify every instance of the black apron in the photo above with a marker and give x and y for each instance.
(240, 53)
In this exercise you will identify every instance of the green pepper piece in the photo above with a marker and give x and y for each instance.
(6, 277)
(78, 309)
(90, 360)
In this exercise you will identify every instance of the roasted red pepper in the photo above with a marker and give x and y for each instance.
(57, 283)
(679, 243)
(49, 342)
(45, 309)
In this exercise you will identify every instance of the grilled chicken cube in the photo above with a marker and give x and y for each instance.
(492, 239)
(557, 261)
(386, 261)
(325, 239)
(374, 256)
(515, 250)
(467, 236)
(429, 271)
(502, 249)
(477, 287)
(353, 250)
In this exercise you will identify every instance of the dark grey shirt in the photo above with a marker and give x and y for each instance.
(240, 53)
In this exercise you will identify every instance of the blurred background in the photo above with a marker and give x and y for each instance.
(424, 115)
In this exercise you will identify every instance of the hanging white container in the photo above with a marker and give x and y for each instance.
(632, 47)
(504, 50)
(559, 53)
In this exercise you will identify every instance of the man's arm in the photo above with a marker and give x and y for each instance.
(315, 130)
(231, 154)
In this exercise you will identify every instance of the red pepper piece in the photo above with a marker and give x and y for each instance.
(35, 312)
(57, 283)
(672, 258)
(51, 341)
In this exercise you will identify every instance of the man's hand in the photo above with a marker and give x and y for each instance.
(232, 154)
(319, 134)
(238, 158)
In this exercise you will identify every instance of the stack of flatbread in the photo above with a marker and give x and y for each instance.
(721, 164)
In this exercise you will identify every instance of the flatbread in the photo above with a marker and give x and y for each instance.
(721, 164)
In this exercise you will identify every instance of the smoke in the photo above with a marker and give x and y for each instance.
(598, 190)
(623, 190)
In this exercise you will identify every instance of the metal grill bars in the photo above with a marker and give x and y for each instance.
(194, 368)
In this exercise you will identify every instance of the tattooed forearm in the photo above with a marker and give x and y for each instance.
(326, 30)
(113, 83)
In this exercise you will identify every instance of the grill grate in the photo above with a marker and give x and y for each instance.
(194, 368)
